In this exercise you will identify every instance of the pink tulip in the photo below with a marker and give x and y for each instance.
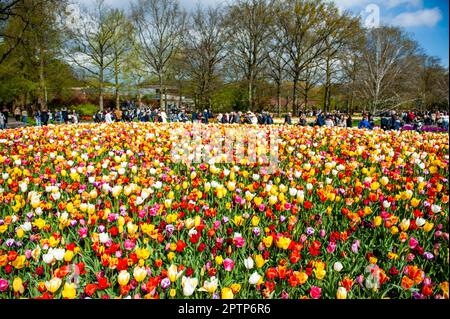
(239, 241)
(129, 245)
(83, 232)
(3, 285)
(331, 247)
(413, 243)
(315, 292)
(228, 264)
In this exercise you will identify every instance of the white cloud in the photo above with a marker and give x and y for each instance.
(389, 4)
(396, 3)
(425, 17)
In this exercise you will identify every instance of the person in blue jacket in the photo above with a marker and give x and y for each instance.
(365, 123)
(320, 121)
(194, 117)
(206, 116)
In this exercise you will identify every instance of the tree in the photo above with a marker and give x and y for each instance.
(311, 76)
(386, 55)
(432, 83)
(121, 46)
(350, 62)
(344, 29)
(205, 50)
(304, 25)
(276, 68)
(250, 23)
(90, 43)
(10, 40)
(160, 26)
(35, 61)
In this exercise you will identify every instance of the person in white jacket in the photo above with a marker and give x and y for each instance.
(163, 117)
(108, 118)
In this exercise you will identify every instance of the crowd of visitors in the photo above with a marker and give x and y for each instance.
(390, 120)
(414, 120)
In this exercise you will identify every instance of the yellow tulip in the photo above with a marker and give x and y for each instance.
(173, 274)
(139, 273)
(283, 242)
(69, 291)
(68, 255)
(268, 241)
(341, 293)
(123, 278)
(219, 260)
(428, 227)
(19, 262)
(259, 261)
(377, 221)
(227, 293)
(53, 285)
(18, 285)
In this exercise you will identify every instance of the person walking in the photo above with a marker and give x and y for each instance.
(288, 119)
(24, 116)
(2, 121)
(17, 114)
(5, 113)
(65, 115)
(45, 117)
(349, 121)
(38, 118)
(108, 118)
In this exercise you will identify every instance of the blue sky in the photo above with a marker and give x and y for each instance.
(426, 20)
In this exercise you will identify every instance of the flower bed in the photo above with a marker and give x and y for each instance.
(104, 211)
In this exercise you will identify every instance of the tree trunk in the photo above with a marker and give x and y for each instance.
(116, 83)
(305, 99)
(42, 80)
(329, 96)
(180, 96)
(326, 102)
(294, 97)
(250, 92)
(101, 89)
(278, 98)
(161, 102)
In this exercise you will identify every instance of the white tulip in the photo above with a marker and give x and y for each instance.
(338, 266)
(292, 191)
(58, 254)
(48, 258)
(249, 263)
(254, 278)
(189, 285)
(420, 221)
(435, 208)
(26, 226)
(104, 237)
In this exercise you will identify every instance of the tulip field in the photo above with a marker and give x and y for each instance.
(113, 211)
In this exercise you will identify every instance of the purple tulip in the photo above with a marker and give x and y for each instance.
(355, 246)
(169, 229)
(165, 283)
(428, 255)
